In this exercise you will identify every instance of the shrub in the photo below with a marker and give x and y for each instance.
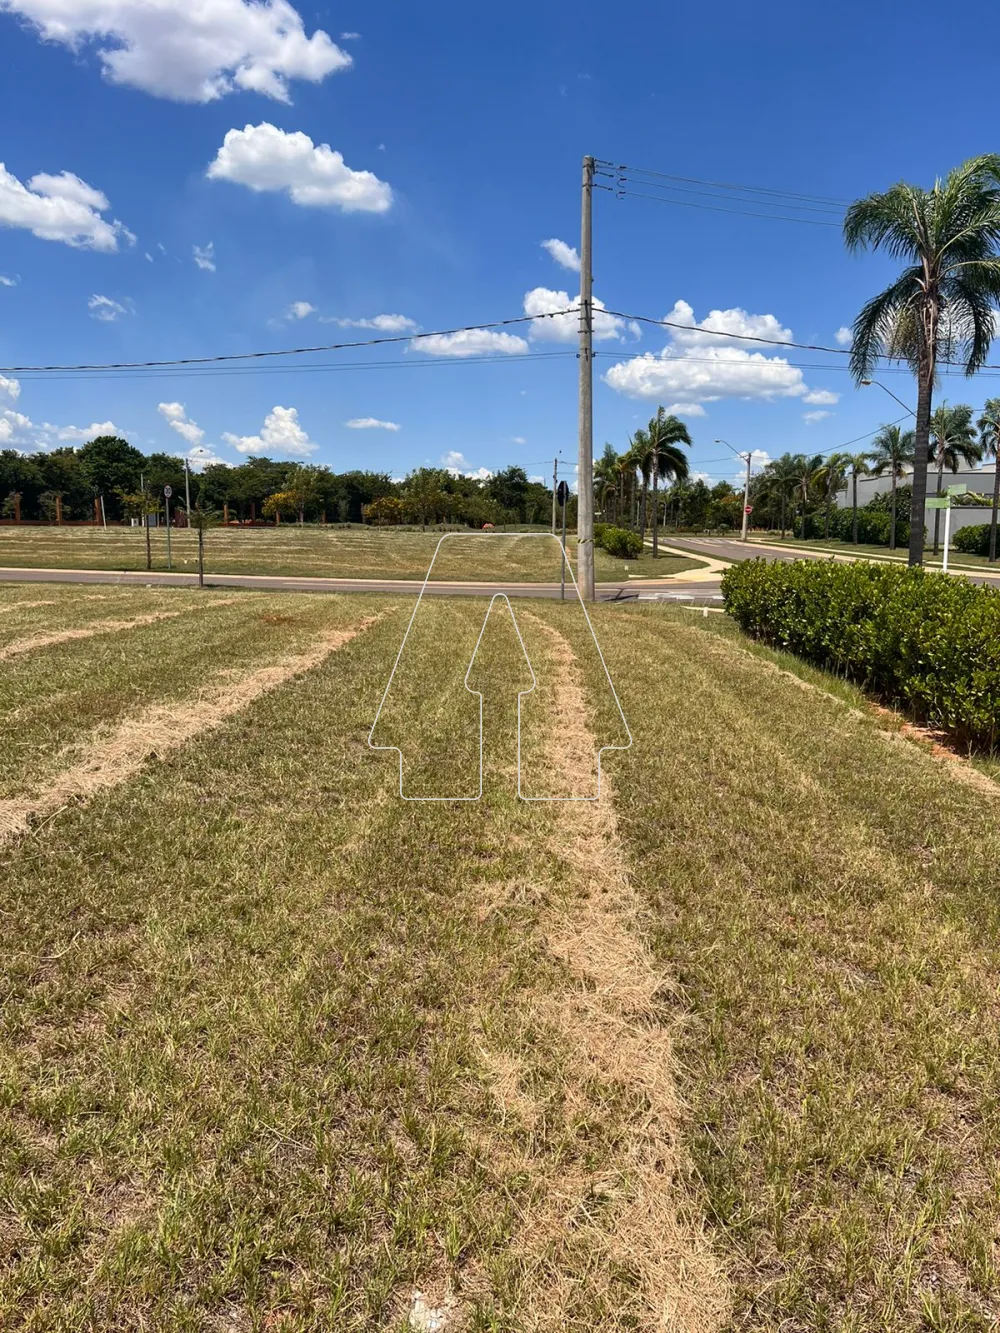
(926, 642)
(973, 540)
(622, 543)
(599, 530)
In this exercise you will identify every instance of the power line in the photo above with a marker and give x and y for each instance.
(624, 180)
(288, 351)
(725, 185)
(713, 208)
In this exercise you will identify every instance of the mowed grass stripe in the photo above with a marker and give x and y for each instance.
(824, 897)
(249, 1057)
(54, 700)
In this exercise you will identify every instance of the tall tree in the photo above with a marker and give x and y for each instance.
(989, 438)
(859, 466)
(834, 477)
(953, 442)
(892, 452)
(941, 305)
(808, 471)
(660, 458)
(781, 478)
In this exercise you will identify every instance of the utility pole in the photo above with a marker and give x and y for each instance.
(555, 483)
(746, 498)
(585, 470)
(187, 491)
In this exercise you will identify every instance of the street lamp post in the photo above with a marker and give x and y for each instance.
(878, 383)
(747, 458)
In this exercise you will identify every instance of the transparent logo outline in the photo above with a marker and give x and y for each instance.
(521, 695)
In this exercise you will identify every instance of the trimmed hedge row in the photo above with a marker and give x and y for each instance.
(618, 541)
(973, 539)
(928, 643)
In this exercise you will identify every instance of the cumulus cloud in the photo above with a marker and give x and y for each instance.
(204, 256)
(16, 430)
(10, 387)
(281, 434)
(60, 208)
(518, 439)
(562, 253)
(810, 418)
(177, 418)
(107, 310)
(350, 36)
(81, 432)
(844, 336)
(370, 423)
(381, 323)
(8, 282)
(190, 52)
(821, 397)
(300, 310)
(565, 328)
(686, 410)
(459, 466)
(264, 158)
(704, 361)
(471, 342)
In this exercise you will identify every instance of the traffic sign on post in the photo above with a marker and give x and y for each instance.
(168, 491)
(748, 509)
(562, 494)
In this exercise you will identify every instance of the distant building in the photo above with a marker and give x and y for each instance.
(979, 481)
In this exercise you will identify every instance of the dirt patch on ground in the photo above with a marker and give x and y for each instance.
(116, 756)
(21, 646)
(636, 1212)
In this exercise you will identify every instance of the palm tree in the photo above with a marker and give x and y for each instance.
(626, 482)
(782, 477)
(858, 463)
(606, 480)
(808, 472)
(660, 458)
(941, 306)
(953, 442)
(892, 450)
(989, 438)
(833, 473)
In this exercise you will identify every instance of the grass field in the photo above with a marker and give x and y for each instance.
(281, 1051)
(310, 551)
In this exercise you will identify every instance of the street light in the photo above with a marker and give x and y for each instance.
(187, 481)
(880, 385)
(746, 488)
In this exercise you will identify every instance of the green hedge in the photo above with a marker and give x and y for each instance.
(928, 643)
(973, 540)
(618, 541)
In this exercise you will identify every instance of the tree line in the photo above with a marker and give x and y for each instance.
(65, 483)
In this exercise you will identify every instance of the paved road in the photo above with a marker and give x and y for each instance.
(606, 592)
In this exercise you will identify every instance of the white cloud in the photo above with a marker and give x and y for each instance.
(82, 432)
(459, 466)
(735, 322)
(59, 208)
(686, 410)
(8, 282)
(562, 253)
(539, 480)
(106, 310)
(471, 342)
(12, 388)
(300, 310)
(382, 323)
(204, 256)
(370, 423)
(177, 418)
(149, 256)
(810, 418)
(186, 51)
(565, 327)
(199, 459)
(17, 430)
(518, 439)
(759, 458)
(262, 157)
(350, 36)
(844, 336)
(698, 366)
(280, 434)
(821, 397)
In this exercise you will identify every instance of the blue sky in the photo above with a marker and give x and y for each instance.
(202, 214)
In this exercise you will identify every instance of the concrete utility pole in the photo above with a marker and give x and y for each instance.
(585, 471)
(746, 498)
(187, 491)
(555, 483)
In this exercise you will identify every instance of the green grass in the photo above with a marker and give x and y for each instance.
(307, 551)
(255, 1006)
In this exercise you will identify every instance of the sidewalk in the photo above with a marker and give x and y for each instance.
(713, 568)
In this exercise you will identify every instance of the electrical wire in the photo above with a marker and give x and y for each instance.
(288, 351)
(714, 208)
(723, 185)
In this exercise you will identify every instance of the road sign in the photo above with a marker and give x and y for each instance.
(942, 503)
(168, 491)
(958, 489)
(562, 494)
(748, 509)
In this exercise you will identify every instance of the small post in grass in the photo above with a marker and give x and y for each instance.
(563, 495)
(167, 493)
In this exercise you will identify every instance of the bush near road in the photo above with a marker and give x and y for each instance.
(925, 642)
